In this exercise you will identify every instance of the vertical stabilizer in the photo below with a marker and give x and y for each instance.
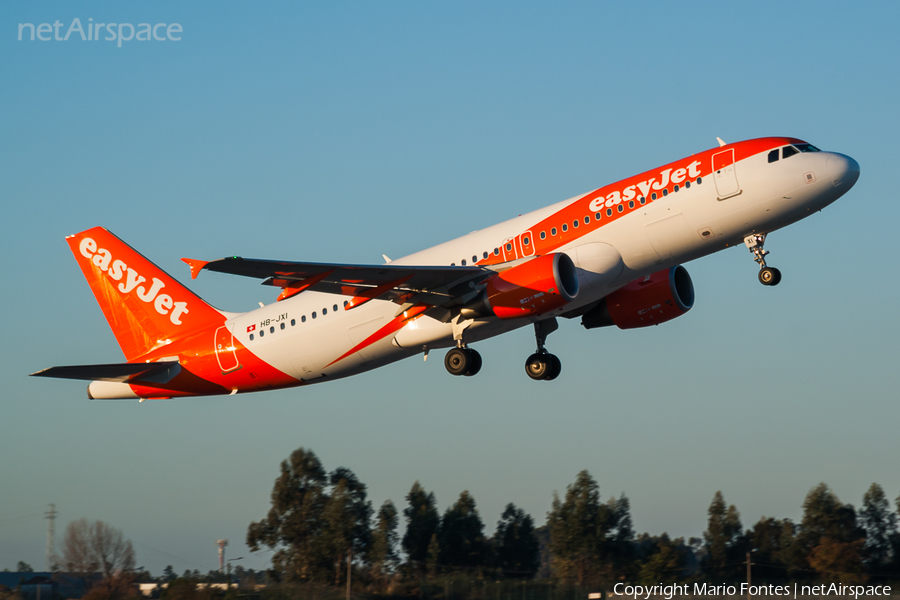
(146, 308)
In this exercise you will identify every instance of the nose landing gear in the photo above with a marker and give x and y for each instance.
(542, 364)
(767, 275)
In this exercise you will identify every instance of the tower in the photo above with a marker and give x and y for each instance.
(221, 544)
(50, 515)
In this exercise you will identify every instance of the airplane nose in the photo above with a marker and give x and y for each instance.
(844, 170)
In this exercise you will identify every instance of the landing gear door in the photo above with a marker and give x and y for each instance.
(724, 174)
(225, 351)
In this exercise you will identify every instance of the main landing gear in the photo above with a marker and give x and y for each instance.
(542, 364)
(767, 275)
(463, 361)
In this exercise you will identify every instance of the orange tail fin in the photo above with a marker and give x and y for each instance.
(145, 307)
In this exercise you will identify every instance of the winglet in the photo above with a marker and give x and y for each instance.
(195, 265)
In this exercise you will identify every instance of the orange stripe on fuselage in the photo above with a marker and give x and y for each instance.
(395, 324)
(581, 208)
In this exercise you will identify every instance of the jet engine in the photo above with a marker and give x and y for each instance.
(655, 299)
(532, 288)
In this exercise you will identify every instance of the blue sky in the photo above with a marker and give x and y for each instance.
(341, 131)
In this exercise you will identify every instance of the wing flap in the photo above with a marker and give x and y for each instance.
(365, 282)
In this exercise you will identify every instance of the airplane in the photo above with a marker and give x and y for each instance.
(611, 256)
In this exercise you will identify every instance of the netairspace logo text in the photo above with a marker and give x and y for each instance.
(108, 32)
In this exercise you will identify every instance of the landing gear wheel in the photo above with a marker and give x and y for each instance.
(457, 361)
(769, 276)
(475, 365)
(537, 366)
(462, 361)
(555, 367)
(543, 366)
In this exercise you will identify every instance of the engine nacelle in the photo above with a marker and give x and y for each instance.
(532, 288)
(652, 300)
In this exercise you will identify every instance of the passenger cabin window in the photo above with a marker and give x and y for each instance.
(543, 235)
(303, 319)
(587, 220)
(565, 227)
(553, 231)
(788, 151)
(463, 262)
(773, 155)
(526, 241)
(485, 254)
(496, 251)
(474, 259)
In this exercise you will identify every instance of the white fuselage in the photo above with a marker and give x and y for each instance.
(308, 336)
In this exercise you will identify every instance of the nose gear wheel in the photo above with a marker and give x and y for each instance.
(767, 275)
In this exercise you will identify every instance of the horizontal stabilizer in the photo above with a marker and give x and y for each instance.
(114, 372)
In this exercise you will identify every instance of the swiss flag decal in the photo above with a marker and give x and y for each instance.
(251, 328)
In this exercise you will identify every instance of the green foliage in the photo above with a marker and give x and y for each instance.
(515, 544)
(722, 536)
(585, 534)
(461, 535)
(880, 524)
(383, 556)
(24, 567)
(665, 560)
(315, 520)
(422, 522)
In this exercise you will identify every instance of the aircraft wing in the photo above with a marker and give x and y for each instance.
(432, 285)
(110, 372)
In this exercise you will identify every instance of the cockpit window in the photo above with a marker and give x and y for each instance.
(788, 151)
(773, 155)
(806, 148)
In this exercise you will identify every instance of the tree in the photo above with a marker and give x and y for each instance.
(293, 526)
(422, 522)
(98, 547)
(829, 537)
(880, 525)
(461, 535)
(316, 521)
(346, 516)
(722, 534)
(579, 527)
(24, 567)
(666, 561)
(515, 544)
(383, 556)
(169, 573)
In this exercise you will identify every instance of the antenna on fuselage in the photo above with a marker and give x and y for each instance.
(721, 143)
